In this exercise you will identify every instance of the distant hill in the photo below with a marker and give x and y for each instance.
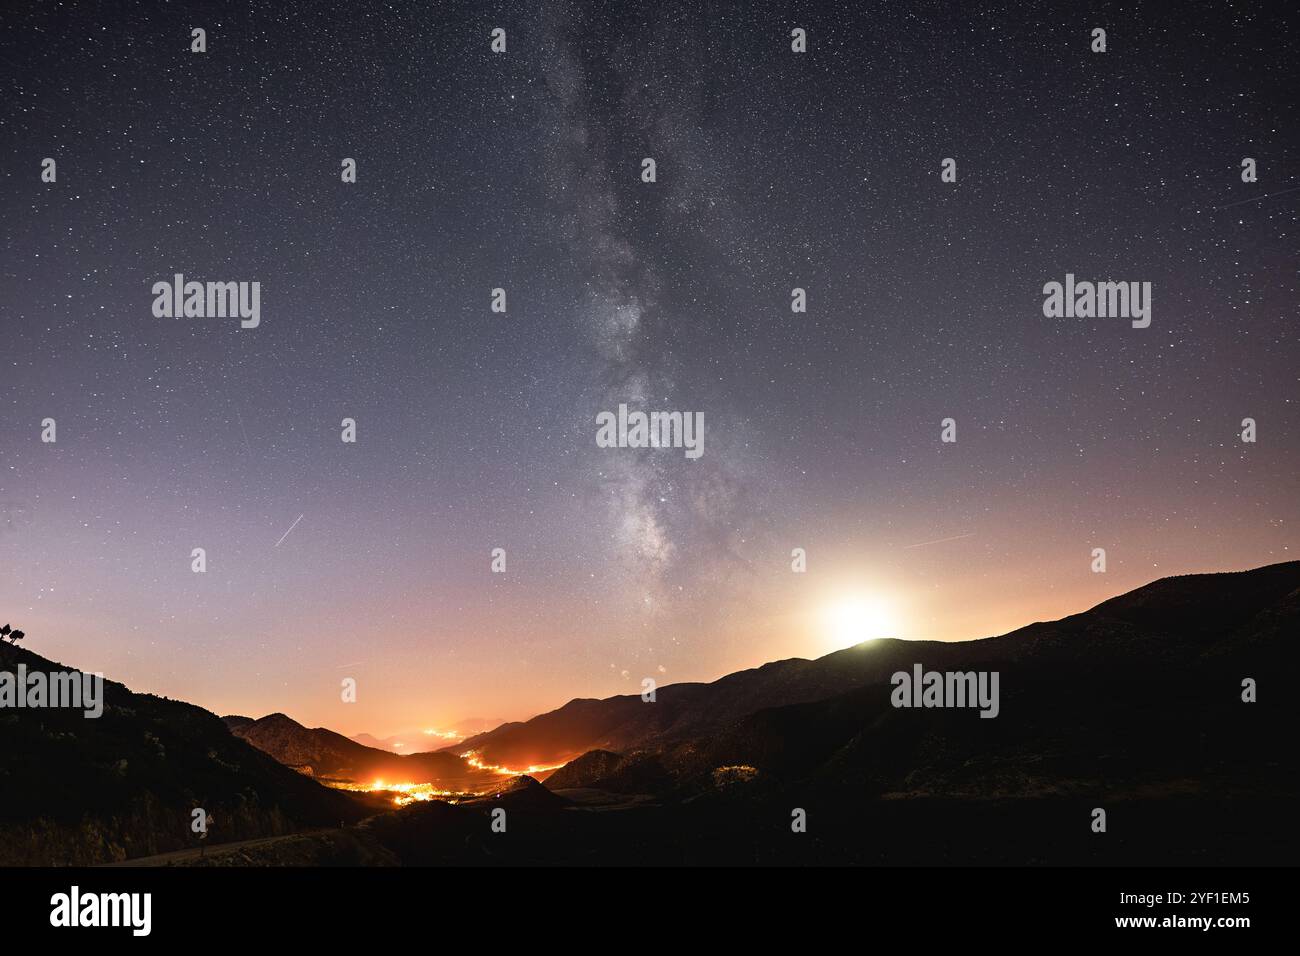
(75, 790)
(325, 754)
(388, 743)
(419, 741)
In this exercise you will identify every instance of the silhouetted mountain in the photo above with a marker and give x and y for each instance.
(89, 790)
(1173, 622)
(323, 753)
(1134, 707)
(1142, 695)
(1098, 696)
(680, 710)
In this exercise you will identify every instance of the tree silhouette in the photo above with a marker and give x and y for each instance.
(16, 636)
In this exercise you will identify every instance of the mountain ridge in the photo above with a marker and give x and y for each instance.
(625, 723)
(1066, 726)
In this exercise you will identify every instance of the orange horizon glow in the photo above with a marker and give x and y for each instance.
(797, 618)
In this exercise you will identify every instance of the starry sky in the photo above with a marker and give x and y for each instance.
(476, 430)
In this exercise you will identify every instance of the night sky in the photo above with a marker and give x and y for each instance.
(476, 430)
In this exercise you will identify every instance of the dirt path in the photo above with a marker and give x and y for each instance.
(217, 849)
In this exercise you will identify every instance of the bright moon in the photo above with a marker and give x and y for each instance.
(857, 619)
